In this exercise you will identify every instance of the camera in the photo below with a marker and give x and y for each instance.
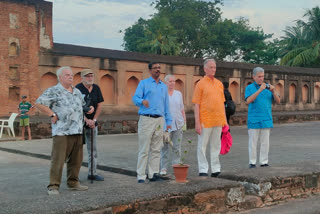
(86, 108)
(268, 86)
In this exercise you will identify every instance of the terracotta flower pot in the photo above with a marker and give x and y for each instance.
(181, 172)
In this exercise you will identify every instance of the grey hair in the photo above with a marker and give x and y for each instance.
(59, 71)
(166, 79)
(208, 60)
(257, 70)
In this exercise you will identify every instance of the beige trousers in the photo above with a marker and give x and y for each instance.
(150, 133)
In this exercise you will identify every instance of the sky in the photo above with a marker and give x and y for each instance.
(97, 23)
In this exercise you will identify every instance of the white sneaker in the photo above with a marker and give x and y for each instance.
(163, 172)
(53, 192)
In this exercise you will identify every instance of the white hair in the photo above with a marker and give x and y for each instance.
(166, 79)
(257, 70)
(208, 60)
(59, 71)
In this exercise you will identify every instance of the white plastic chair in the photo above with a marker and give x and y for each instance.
(8, 124)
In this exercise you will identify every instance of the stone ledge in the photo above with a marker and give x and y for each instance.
(198, 195)
(278, 183)
(259, 188)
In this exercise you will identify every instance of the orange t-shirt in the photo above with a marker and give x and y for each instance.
(210, 97)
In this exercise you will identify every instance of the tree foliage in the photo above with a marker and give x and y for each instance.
(301, 43)
(194, 28)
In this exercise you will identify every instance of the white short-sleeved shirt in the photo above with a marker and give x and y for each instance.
(176, 106)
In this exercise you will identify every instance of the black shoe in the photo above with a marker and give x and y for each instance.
(264, 165)
(251, 166)
(155, 178)
(95, 177)
(216, 174)
(141, 181)
(203, 174)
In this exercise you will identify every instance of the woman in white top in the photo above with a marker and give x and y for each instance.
(178, 120)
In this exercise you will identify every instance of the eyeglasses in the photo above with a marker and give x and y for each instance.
(89, 75)
(156, 67)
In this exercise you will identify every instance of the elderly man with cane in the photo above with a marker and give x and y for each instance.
(93, 95)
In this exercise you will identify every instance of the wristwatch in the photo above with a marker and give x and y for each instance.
(53, 115)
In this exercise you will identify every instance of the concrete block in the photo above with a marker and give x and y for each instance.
(257, 189)
(235, 196)
(251, 202)
(311, 181)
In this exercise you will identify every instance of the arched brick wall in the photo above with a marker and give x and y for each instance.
(180, 87)
(235, 92)
(305, 94)
(13, 49)
(77, 78)
(195, 83)
(132, 84)
(280, 90)
(292, 93)
(316, 94)
(47, 80)
(107, 88)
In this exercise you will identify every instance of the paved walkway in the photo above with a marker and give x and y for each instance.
(23, 179)
(289, 143)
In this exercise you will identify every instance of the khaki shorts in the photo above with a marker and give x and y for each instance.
(24, 122)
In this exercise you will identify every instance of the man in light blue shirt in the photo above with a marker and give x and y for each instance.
(152, 98)
(259, 96)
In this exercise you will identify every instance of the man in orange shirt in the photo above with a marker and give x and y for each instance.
(210, 117)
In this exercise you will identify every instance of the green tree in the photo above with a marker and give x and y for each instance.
(301, 43)
(194, 28)
(152, 36)
(237, 41)
(191, 18)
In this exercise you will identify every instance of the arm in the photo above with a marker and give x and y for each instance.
(254, 96)
(167, 113)
(47, 111)
(137, 98)
(197, 118)
(276, 96)
(184, 115)
(92, 123)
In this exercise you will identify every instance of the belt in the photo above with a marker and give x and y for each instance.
(151, 115)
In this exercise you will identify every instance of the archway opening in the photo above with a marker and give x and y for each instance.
(234, 90)
(107, 89)
(132, 85)
(48, 80)
(292, 93)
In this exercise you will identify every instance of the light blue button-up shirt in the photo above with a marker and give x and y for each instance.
(157, 95)
(260, 110)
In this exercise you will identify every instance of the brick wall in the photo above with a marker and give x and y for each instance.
(19, 49)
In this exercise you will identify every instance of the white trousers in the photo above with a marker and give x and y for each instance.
(213, 137)
(150, 134)
(176, 137)
(255, 136)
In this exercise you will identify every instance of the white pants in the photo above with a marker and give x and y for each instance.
(255, 136)
(213, 137)
(150, 134)
(176, 137)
